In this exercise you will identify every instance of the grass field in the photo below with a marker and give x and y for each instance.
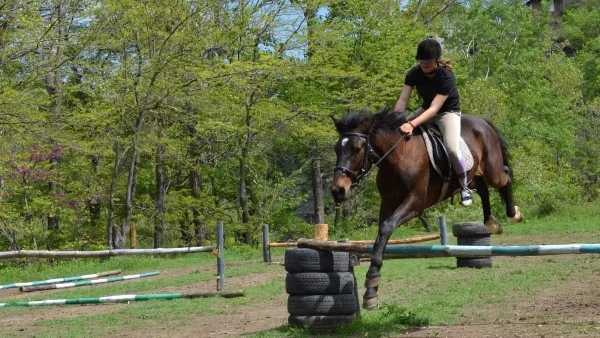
(414, 293)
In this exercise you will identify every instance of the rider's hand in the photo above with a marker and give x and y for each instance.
(407, 128)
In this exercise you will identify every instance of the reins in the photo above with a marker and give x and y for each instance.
(356, 179)
(368, 157)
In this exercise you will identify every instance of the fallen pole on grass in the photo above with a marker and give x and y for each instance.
(101, 253)
(61, 280)
(126, 298)
(426, 251)
(86, 282)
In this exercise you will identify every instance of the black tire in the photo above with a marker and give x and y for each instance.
(356, 296)
(478, 263)
(320, 323)
(322, 305)
(319, 283)
(470, 229)
(310, 260)
(485, 240)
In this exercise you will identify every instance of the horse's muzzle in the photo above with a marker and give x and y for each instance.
(339, 194)
(340, 188)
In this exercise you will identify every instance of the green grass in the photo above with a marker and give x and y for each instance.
(413, 292)
(138, 315)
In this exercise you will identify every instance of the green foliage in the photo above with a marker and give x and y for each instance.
(242, 92)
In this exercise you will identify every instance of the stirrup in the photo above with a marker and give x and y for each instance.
(466, 197)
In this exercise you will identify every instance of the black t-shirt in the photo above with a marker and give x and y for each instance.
(442, 83)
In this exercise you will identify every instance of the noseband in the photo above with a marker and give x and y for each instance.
(370, 158)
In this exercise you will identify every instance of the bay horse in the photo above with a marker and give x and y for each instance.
(406, 180)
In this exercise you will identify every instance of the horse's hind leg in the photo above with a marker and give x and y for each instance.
(484, 193)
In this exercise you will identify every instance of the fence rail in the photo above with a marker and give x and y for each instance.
(101, 253)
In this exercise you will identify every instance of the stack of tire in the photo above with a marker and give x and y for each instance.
(322, 289)
(472, 233)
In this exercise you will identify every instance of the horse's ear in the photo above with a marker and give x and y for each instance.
(335, 121)
(333, 118)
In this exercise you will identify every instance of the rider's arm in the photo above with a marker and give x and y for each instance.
(403, 100)
(430, 112)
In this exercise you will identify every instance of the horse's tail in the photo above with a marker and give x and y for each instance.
(503, 146)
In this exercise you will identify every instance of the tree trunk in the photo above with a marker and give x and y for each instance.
(243, 185)
(418, 10)
(200, 231)
(196, 186)
(95, 202)
(53, 89)
(161, 190)
(132, 181)
(113, 235)
(317, 183)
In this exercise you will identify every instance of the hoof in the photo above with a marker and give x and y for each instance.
(518, 217)
(370, 303)
(494, 226)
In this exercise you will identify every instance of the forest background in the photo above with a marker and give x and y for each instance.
(142, 123)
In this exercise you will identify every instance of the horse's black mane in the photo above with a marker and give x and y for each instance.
(366, 122)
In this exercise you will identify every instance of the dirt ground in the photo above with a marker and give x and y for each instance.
(569, 310)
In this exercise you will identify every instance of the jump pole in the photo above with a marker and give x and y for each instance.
(428, 251)
(86, 282)
(416, 239)
(126, 298)
(61, 280)
(415, 251)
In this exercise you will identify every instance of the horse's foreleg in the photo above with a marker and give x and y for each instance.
(512, 211)
(402, 215)
(484, 193)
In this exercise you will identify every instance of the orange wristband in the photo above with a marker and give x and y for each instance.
(411, 125)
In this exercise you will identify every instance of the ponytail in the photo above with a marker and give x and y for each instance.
(446, 63)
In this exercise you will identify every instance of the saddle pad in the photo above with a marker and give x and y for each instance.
(464, 149)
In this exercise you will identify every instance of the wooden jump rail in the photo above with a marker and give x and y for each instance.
(217, 250)
(360, 245)
(409, 240)
(101, 253)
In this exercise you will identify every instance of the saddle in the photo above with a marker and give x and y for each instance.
(438, 155)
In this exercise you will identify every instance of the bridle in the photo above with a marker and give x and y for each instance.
(371, 157)
(364, 172)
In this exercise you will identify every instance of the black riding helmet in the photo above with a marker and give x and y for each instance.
(429, 49)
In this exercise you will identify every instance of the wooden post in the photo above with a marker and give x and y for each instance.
(321, 232)
(266, 248)
(220, 259)
(133, 234)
